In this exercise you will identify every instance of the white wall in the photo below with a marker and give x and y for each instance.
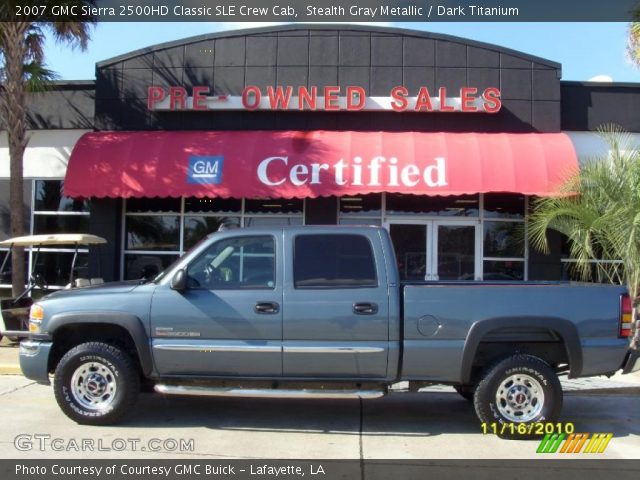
(590, 144)
(47, 153)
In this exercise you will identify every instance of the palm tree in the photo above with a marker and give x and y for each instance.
(633, 38)
(598, 209)
(22, 68)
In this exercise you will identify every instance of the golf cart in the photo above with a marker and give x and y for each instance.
(14, 312)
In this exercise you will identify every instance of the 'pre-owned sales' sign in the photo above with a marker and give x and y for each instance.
(329, 98)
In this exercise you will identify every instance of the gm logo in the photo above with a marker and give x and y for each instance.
(207, 170)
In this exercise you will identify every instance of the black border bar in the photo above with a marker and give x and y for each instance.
(266, 469)
(305, 11)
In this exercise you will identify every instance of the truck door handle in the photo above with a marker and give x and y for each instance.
(365, 308)
(266, 307)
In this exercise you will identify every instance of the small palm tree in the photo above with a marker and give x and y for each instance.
(22, 68)
(598, 209)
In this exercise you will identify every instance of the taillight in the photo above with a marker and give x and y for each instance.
(626, 316)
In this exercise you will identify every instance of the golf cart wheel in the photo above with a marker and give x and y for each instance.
(96, 384)
(521, 389)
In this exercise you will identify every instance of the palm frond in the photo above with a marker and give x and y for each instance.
(633, 42)
(72, 34)
(34, 41)
(38, 77)
(602, 221)
(70, 31)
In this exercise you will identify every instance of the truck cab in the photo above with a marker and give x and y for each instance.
(322, 312)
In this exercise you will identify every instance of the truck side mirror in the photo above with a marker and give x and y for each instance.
(179, 280)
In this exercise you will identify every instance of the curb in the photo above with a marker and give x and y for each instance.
(8, 369)
(630, 390)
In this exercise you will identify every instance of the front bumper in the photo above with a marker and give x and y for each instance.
(34, 360)
(632, 362)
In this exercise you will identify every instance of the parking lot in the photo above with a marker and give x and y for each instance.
(434, 425)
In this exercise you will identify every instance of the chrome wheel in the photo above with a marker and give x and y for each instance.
(94, 386)
(520, 398)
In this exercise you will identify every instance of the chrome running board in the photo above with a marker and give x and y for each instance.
(264, 392)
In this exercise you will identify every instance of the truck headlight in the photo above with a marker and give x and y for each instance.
(36, 315)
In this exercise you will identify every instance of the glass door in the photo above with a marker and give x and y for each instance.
(436, 249)
(412, 245)
(456, 256)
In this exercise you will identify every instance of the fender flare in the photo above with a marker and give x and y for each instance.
(566, 329)
(131, 323)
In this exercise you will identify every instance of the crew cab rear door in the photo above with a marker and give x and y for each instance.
(336, 309)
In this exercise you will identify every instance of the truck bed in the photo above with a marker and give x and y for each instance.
(442, 320)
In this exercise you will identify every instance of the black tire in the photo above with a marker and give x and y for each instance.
(113, 371)
(526, 370)
(466, 391)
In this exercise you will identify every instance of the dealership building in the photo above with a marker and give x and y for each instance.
(444, 141)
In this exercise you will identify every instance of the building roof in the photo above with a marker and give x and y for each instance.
(342, 28)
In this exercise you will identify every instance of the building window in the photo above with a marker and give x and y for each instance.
(600, 270)
(146, 265)
(54, 266)
(205, 215)
(373, 208)
(198, 227)
(504, 206)
(218, 206)
(451, 206)
(5, 225)
(503, 239)
(158, 230)
(154, 205)
(5, 274)
(5, 208)
(360, 209)
(500, 246)
(504, 243)
(273, 212)
(153, 232)
(55, 213)
(503, 270)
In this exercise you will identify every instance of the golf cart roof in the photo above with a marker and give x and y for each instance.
(54, 239)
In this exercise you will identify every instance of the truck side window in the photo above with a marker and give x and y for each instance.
(235, 263)
(333, 261)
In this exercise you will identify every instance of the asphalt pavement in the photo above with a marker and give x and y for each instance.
(432, 425)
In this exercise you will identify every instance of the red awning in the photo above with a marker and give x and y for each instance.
(288, 164)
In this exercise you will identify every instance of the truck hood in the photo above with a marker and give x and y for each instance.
(111, 287)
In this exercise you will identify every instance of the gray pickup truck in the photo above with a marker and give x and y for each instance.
(320, 311)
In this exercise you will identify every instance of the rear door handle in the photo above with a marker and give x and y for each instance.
(365, 308)
(266, 307)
